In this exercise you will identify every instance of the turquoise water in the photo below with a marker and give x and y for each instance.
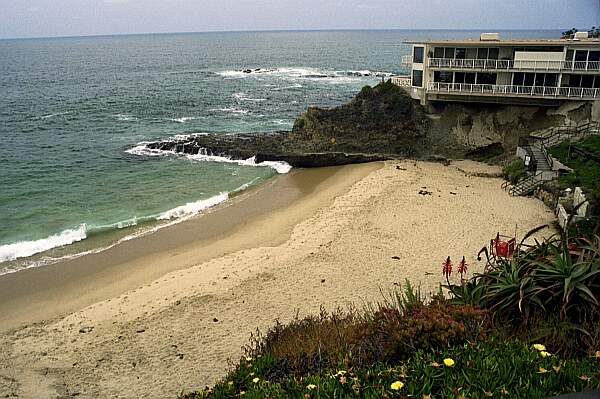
(72, 110)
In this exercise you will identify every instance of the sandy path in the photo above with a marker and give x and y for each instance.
(178, 332)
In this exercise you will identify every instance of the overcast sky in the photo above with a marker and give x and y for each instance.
(35, 18)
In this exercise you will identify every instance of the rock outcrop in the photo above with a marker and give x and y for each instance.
(379, 123)
(383, 122)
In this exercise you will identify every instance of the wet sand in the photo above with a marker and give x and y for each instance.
(177, 315)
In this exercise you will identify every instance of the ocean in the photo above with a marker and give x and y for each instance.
(74, 111)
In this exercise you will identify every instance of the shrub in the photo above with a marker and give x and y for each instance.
(514, 171)
(474, 370)
(558, 276)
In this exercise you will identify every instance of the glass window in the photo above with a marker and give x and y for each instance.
(493, 53)
(449, 52)
(587, 81)
(570, 54)
(461, 53)
(418, 55)
(417, 78)
(470, 77)
(529, 79)
(486, 78)
(482, 53)
(581, 55)
(459, 77)
(539, 79)
(442, 77)
(518, 78)
(438, 52)
(597, 82)
(594, 56)
(471, 53)
(551, 79)
(575, 81)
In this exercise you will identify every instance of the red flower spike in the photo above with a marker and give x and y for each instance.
(447, 267)
(462, 266)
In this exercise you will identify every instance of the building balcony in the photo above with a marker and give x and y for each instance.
(406, 61)
(489, 90)
(402, 81)
(498, 65)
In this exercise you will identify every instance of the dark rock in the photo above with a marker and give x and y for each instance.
(215, 320)
(85, 330)
(322, 280)
(141, 330)
(396, 257)
(380, 123)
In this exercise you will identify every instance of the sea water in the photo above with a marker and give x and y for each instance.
(74, 111)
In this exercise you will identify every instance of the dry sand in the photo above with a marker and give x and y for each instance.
(177, 332)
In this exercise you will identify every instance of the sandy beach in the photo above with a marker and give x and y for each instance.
(164, 313)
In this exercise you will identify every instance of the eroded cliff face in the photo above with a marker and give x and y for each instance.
(456, 127)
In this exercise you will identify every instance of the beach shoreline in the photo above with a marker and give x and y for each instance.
(362, 231)
(46, 292)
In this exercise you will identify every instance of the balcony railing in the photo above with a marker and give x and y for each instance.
(402, 81)
(406, 61)
(511, 90)
(453, 63)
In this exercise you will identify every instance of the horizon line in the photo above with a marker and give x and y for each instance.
(275, 31)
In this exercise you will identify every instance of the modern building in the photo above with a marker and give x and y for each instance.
(491, 70)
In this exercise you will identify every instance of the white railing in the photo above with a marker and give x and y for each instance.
(547, 65)
(406, 61)
(512, 90)
(402, 81)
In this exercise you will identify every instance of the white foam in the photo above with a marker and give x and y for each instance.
(27, 248)
(53, 115)
(232, 110)
(244, 97)
(192, 208)
(294, 86)
(125, 117)
(183, 119)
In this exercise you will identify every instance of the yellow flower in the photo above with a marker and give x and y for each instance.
(435, 365)
(255, 380)
(556, 368)
(542, 370)
(597, 354)
(584, 378)
(340, 373)
(230, 382)
(248, 359)
(545, 354)
(449, 362)
(539, 347)
(242, 393)
(311, 387)
(396, 386)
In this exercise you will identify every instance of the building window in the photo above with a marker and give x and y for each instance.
(438, 52)
(417, 78)
(418, 55)
(461, 53)
(442, 77)
(486, 78)
(581, 55)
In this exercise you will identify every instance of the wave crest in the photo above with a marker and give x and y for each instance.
(27, 248)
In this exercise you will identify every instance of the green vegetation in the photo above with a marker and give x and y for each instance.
(586, 171)
(514, 171)
(528, 327)
(569, 34)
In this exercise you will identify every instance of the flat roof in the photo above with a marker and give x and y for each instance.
(512, 42)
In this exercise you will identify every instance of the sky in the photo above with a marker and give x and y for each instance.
(42, 18)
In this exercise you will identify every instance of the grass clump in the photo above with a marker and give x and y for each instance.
(514, 171)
